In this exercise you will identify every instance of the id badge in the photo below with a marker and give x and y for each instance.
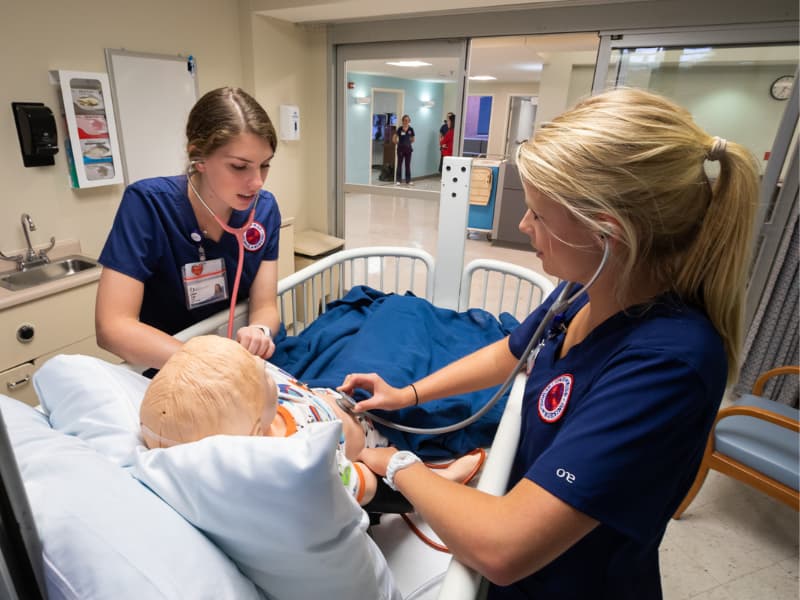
(204, 282)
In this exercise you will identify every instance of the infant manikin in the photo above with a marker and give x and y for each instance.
(212, 385)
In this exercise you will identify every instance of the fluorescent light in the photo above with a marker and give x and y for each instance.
(428, 104)
(482, 78)
(362, 100)
(408, 63)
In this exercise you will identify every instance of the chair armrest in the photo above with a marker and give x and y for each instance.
(758, 413)
(758, 386)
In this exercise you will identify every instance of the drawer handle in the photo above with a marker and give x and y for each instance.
(14, 385)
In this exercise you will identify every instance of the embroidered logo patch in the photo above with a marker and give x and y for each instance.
(254, 237)
(554, 398)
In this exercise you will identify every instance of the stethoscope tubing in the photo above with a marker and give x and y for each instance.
(564, 300)
(238, 233)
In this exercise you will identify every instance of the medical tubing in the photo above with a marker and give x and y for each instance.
(235, 291)
(560, 304)
(239, 235)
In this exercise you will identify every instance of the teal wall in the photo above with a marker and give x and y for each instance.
(425, 121)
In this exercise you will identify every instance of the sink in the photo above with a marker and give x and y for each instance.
(53, 271)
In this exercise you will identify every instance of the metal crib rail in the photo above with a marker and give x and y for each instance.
(304, 295)
(513, 278)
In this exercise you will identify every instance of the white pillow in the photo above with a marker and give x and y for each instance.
(276, 506)
(104, 535)
(94, 400)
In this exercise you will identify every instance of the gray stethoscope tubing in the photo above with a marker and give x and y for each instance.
(561, 304)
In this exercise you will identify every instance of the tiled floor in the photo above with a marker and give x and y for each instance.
(733, 543)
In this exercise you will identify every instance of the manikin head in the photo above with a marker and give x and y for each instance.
(211, 385)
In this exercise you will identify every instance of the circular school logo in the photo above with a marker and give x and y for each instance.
(554, 398)
(254, 237)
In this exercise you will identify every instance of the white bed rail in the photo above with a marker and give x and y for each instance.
(519, 289)
(303, 295)
(460, 581)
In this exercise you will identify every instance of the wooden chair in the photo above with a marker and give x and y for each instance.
(755, 440)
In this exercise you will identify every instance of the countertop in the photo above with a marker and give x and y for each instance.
(63, 248)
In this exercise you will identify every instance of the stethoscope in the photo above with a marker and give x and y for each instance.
(238, 233)
(564, 300)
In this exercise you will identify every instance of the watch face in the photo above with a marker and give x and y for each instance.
(781, 88)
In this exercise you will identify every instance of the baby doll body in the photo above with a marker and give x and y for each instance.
(213, 386)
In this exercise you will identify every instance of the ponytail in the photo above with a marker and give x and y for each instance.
(713, 271)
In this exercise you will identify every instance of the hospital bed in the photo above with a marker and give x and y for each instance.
(419, 571)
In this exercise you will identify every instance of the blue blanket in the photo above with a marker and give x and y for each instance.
(402, 338)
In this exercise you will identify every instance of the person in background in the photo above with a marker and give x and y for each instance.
(625, 386)
(404, 138)
(167, 257)
(446, 139)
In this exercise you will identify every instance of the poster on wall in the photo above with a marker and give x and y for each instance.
(92, 145)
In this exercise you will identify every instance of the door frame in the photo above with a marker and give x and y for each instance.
(447, 48)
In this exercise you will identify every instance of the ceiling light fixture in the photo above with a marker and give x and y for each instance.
(408, 63)
(482, 77)
(428, 104)
(362, 100)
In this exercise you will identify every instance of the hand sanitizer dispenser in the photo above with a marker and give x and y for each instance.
(290, 122)
(36, 129)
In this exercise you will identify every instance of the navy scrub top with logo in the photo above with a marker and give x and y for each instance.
(150, 241)
(616, 429)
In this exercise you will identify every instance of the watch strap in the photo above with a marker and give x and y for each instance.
(398, 462)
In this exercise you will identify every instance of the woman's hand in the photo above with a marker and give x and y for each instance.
(256, 341)
(384, 396)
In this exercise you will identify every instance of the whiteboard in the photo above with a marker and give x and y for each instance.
(153, 94)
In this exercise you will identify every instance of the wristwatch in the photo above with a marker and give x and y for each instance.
(264, 329)
(400, 460)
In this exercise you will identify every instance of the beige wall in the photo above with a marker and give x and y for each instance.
(289, 68)
(43, 35)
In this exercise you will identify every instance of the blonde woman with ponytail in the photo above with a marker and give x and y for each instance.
(621, 397)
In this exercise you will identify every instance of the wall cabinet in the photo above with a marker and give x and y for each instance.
(30, 333)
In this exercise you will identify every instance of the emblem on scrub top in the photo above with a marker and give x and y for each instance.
(254, 237)
(554, 397)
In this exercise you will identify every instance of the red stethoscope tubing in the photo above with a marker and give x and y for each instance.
(238, 233)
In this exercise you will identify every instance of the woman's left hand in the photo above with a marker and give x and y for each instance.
(256, 341)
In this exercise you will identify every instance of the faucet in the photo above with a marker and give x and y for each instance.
(30, 255)
(32, 258)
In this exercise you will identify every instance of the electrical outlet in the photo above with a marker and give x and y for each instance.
(454, 211)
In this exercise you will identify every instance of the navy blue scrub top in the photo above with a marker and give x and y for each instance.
(150, 241)
(616, 429)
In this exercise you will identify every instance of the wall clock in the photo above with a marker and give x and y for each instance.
(781, 88)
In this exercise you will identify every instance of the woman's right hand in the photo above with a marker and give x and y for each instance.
(384, 396)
